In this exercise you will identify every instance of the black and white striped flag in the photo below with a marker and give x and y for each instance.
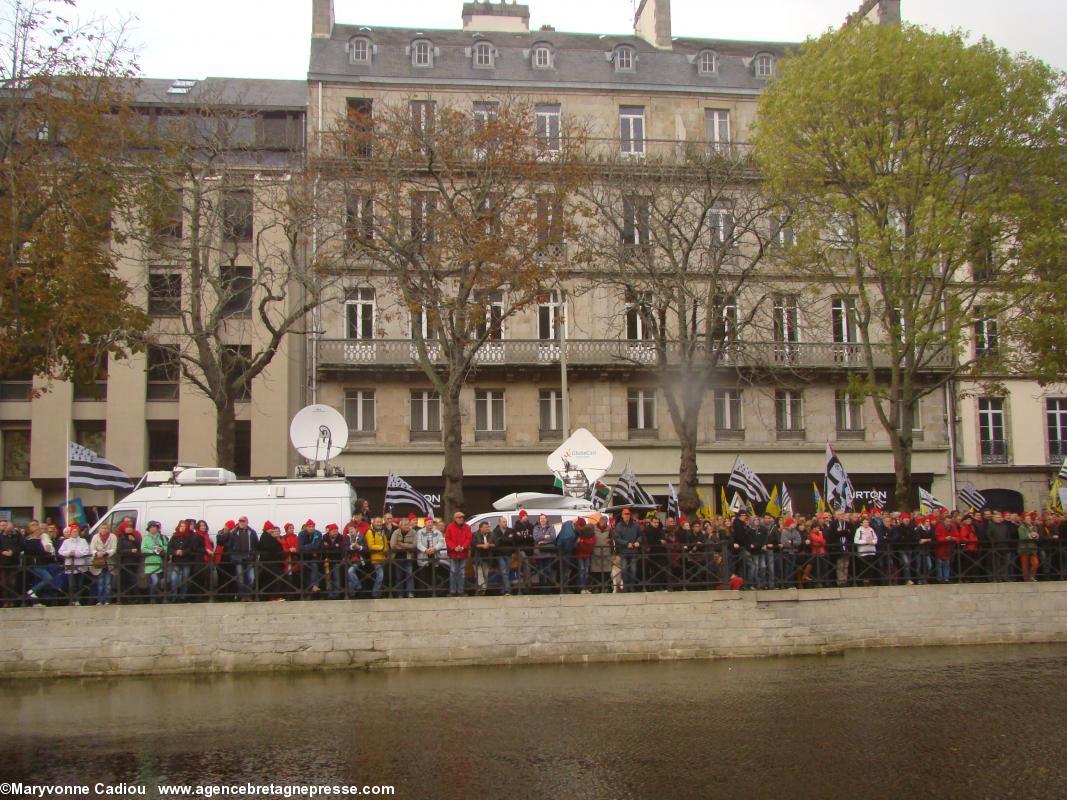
(971, 497)
(398, 492)
(673, 508)
(630, 492)
(928, 502)
(1063, 471)
(747, 482)
(87, 470)
(837, 488)
(786, 501)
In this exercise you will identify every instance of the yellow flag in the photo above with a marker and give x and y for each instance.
(772, 505)
(1053, 503)
(820, 504)
(724, 504)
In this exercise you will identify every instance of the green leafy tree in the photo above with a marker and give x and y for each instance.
(911, 160)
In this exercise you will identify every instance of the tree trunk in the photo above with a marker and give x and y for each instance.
(452, 432)
(688, 481)
(902, 471)
(225, 428)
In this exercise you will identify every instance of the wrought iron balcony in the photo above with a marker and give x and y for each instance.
(622, 353)
(994, 451)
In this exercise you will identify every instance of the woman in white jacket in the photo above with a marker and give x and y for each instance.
(103, 546)
(74, 551)
(866, 541)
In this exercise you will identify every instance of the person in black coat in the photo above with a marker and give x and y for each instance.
(271, 558)
(839, 538)
(10, 550)
(186, 551)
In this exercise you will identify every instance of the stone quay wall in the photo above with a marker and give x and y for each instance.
(376, 634)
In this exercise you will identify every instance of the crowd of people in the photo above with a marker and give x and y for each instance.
(386, 556)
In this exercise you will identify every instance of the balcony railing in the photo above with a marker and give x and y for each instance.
(1057, 451)
(994, 451)
(357, 353)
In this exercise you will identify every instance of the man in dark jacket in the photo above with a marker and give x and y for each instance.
(308, 541)
(839, 538)
(10, 548)
(628, 545)
(185, 550)
(240, 550)
(1002, 545)
(505, 541)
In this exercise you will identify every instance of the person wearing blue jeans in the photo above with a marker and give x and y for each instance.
(103, 588)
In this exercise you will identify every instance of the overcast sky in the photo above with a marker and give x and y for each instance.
(269, 38)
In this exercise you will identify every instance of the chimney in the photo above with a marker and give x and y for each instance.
(486, 16)
(321, 19)
(880, 12)
(653, 23)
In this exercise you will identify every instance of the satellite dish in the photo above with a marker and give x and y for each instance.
(319, 433)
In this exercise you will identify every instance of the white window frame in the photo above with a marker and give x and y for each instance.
(717, 128)
(643, 401)
(541, 58)
(721, 226)
(986, 337)
(553, 399)
(625, 59)
(422, 53)
(549, 127)
(489, 410)
(632, 130)
(725, 401)
(707, 62)
(483, 56)
(496, 302)
(764, 65)
(731, 321)
(843, 322)
(420, 320)
(551, 305)
(637, 217)
(791, 402)
(786, 319)
(354, 46)
(357, 402)
(1060, 415)
(848, 412)
(633, 313)
(361, 300)
(425, 400)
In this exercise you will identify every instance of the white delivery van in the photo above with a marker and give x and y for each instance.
(216, 495)
(557, 508)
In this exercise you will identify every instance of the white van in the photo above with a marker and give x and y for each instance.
(557, 508)
(216, 495)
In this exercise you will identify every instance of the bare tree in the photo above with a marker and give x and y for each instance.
(456, 212)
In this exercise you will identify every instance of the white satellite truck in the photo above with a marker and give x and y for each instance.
(320, 492)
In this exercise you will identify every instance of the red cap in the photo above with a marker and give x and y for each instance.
(309, 524)
(523, 514)
(790, 522)
(268, 525)
(412, 517)
(580, 522)
(289, 526)
(230, 524)
(332, 527)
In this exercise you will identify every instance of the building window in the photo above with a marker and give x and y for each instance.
(16, 384)
(706, 62)
(237, 215)
(786, 326)
(728, 329)
(423, 207)
(359, 49)
(359, 220)
(235, 361)
(484, 55)
(168, 222)
(721, 227)
(422, 324)
(162, 444)
(164, 293)
(728, 411)
(360, 127)
(423, 113)
(425, 412)
(359, 410)
(492, 329)
(236, 291)
(547, 120)
(632, 130)
(849, 414)
(242, 448)
(717, 129)
(637, 307)
(641, 409)
(916, 416)
(991, 431)
(636, 220)
(91, 433)
(421, 53)
(95, 389)
(550, 402)
(15, 451)
(986, 339)
(549, 221)
(1056, 417)
(764, 65)
(359, 313)
(548, 317)
(542, 57)
(489, 410)
(164, 373)
(844, 325)
(789, 411)
(781, 234)
(625, 59)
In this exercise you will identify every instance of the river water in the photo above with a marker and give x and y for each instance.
(947, 722)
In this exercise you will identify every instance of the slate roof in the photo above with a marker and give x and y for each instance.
(251, 93)
(580, 60)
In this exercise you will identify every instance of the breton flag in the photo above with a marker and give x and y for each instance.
(971, 497)
(737, 504)
(787, 501)
(927, 502)
(820, 504)
(398, 492)
(630, 492)
(88, 470)
(1062, 475)
(772, 507)
(836, 486)
(673, 509)
(744, 480)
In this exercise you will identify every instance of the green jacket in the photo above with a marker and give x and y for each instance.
(1026, 544)
(153, 562)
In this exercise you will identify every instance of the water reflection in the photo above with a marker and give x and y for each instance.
(965, 722)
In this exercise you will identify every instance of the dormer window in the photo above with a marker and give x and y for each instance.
(764, 66)
(422, 53)
(625, 59)
(542, 57)
(360, 50)
(483, 55)
(707, 62)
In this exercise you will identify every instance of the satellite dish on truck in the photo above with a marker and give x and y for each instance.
(319, 433)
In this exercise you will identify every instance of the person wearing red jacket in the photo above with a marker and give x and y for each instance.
(584, 546)
(458, 537)
(970, 566)
(946, 532)
(290, 559)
